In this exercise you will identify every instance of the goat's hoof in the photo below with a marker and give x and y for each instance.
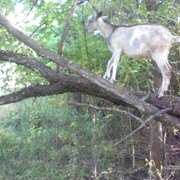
(146, 97)
(160, 96)
(106, 77)
(111, 80)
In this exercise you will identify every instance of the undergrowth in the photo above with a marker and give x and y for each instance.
(46, 139)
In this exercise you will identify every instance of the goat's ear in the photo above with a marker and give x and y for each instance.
(99, 14)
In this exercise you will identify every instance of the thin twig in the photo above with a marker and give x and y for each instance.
(143, 123)
(150, 118)
(66, 31)
(66, 27)
(24, 18)
(107, 109)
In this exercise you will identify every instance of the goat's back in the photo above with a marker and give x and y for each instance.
(140, 40)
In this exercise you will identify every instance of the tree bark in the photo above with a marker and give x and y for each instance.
(75, 84)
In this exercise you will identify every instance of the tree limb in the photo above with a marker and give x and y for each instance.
(73, 84)
(107, 109)
(53, 76)
(66, 27)
(30, 63)
(66, 31)
(149, 119)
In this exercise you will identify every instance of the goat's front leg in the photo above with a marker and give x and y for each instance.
(109, 67)
(116, 56)
(112, 66)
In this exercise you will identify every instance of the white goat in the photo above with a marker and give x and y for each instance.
(138, 41)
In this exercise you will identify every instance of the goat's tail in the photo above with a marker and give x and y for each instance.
(176, 39)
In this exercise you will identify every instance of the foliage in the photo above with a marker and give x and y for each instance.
(44, 138)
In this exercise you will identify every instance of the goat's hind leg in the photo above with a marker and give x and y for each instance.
(165, 69)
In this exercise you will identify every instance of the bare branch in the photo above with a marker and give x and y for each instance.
(66, 31)
(31, 63)
(66, 27)
(107, 109)
(150, 118)
(24, 18)
(53, 76)
(73, 84)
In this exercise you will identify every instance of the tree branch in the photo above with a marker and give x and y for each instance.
(30, 63)
(66, 27)
(107, 109)
(53, 76)
(73, 84)
(66, 31)
(149, 119)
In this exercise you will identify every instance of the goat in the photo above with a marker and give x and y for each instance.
(137, 41)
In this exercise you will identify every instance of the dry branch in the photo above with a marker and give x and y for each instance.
(66, 31)
(66, 27)
(107, 109)
(71, 84)
(30, 63)
(149, 119)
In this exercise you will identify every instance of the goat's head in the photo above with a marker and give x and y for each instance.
(92, 22)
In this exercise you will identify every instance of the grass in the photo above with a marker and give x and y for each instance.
(32, 138)
(45, 139)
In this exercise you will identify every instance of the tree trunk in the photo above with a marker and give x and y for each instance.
(156, 127)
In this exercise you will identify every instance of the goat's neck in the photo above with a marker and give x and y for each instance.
(105, 28)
